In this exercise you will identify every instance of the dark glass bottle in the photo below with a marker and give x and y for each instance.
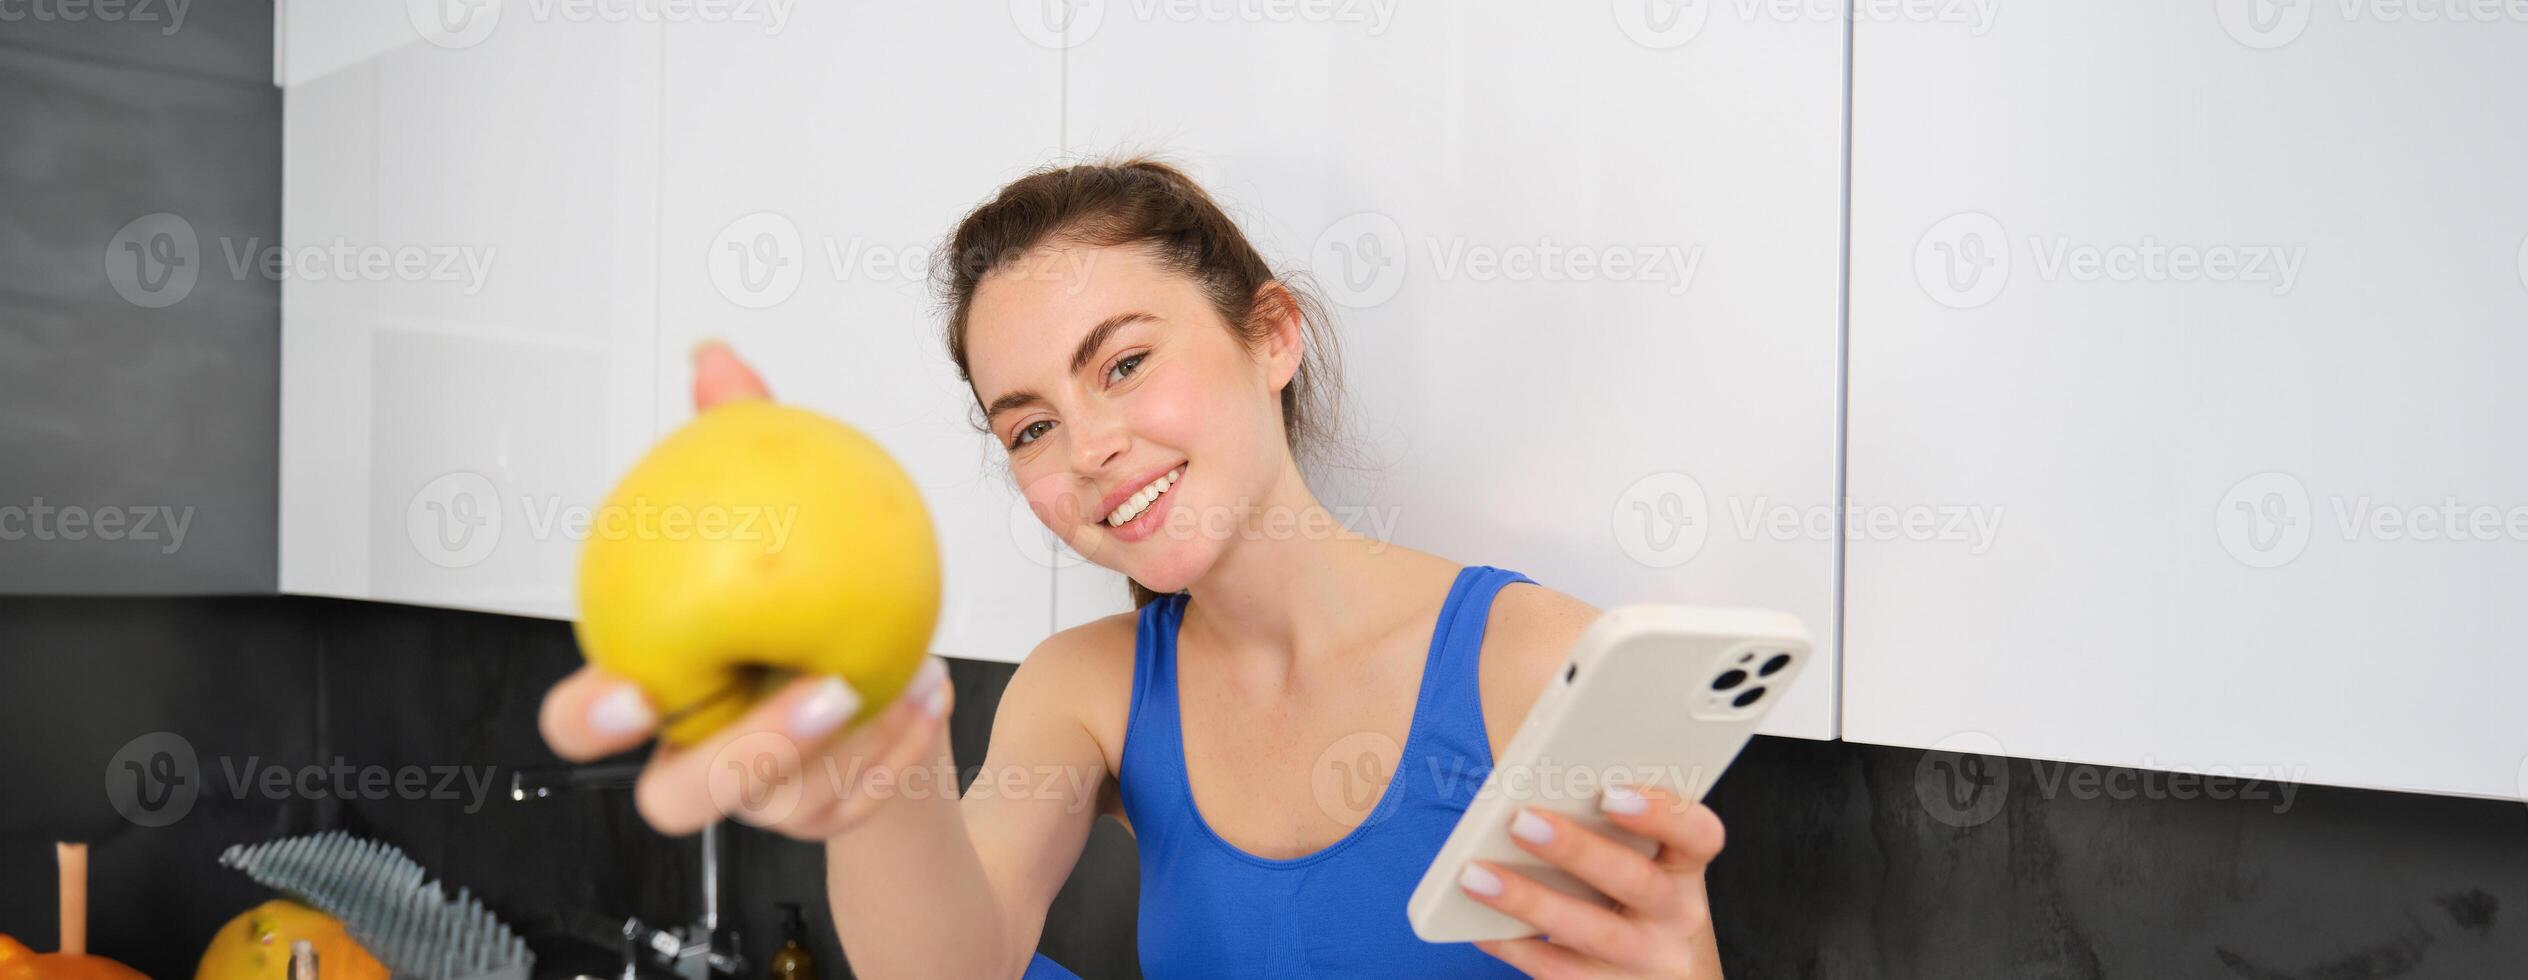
(793, 962)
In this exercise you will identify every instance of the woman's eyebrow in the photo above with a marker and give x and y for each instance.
(1080, 358)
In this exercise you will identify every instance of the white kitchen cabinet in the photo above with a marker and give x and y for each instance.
(468, 326)
(2214, 311)
(438, 435)
(2179, 345)
(810, 175)
(315, 38)
(1584, 269)
(643, 184)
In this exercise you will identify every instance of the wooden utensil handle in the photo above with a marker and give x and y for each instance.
(74, 897)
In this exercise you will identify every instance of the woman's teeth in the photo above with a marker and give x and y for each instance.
(1141, 501)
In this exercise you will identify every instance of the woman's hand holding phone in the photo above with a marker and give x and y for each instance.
(1663, 924)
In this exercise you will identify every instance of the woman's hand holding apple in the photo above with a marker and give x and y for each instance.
(780, 764)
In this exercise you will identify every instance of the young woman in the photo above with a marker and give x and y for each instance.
(1290, 722)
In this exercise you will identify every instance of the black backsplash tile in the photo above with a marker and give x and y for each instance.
(457, 692)
(232, 679)
(258, 684)
(1836, 866)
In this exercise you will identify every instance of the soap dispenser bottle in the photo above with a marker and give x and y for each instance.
(792, 962)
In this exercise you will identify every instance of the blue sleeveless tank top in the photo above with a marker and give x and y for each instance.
(1210, 909)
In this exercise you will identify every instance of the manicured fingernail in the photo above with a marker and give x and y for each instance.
(827, 706)
(707, 343)
(1622, 799)
(1480, 880)
(930, 688)
(1532, 828)
(622, 711)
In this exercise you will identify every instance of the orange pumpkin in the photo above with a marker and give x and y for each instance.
(20, 963)
(256, 946)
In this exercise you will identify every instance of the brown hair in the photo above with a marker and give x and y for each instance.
(1149, 204)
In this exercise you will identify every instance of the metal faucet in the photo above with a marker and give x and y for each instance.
(692, 951)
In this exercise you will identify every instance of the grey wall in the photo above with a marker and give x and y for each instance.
(140, 441)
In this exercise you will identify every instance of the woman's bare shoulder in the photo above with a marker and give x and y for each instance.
(1102, 643)
(1526, 637)
(1085, 671)
(1527, 615)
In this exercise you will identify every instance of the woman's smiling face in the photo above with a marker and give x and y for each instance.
(1102, 371)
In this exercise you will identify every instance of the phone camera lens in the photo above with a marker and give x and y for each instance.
(1748, 697)
(1775, 665)
(1729, 680)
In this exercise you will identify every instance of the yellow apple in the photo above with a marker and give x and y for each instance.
(256, 946)
(757, 542)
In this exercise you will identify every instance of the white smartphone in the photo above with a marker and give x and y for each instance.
(1655, 695)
